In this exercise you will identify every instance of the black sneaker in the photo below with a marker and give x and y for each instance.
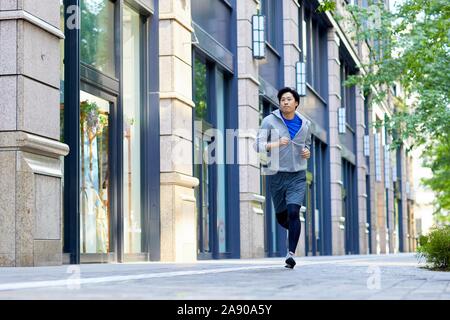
(290, 262)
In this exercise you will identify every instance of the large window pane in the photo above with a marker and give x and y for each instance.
(94, 174)
(131, 134)
(221, 168)
(61, 70)
(213, 16)
(97, 35)
(201, 142)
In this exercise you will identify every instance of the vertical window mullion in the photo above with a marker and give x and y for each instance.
(310, 51)
(316, 58)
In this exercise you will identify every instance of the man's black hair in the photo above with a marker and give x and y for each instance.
(287, 89)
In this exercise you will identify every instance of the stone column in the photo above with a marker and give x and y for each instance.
(178, 212)
(381, 201)
(251, 202)
(390, 207)
(373, 197)
(292, 53)
(361, 171)
(403, 178)
(30, 164)
(410, 198)
(290, 41)
(334, 79)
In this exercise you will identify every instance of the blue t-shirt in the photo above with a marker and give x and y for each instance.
(293, 125)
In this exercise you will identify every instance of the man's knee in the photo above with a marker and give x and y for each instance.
(293, 212)
(294, 216)
(282, 218)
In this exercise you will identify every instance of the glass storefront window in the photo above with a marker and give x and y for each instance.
(221, 167)
(200, 90)
(131, 134)
(94, 171)
(211, 193)
(97, 35)
(61, 70)
(213, 16)
(201, 142)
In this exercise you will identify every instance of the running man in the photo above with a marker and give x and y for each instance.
(285, 137)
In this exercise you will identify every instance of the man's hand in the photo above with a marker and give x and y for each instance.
(282, 142)
(306, 153)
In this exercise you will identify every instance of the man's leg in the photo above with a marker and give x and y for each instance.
(294, 226)
(282, 218)
(293, 234)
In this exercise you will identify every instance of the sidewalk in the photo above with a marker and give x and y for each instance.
(398, 276)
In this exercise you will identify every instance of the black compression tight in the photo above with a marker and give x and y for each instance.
(290, 219)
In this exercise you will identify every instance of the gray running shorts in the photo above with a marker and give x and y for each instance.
(287, 188)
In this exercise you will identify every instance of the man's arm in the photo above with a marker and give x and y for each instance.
(306, 153)
(308, 137)
(261, 142)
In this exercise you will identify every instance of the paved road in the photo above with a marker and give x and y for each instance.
(398, 276)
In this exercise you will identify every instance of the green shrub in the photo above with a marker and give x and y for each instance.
(435, 248)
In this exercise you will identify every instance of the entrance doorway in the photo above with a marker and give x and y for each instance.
(97, 236)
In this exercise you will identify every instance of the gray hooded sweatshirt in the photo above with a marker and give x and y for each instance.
(284, 158)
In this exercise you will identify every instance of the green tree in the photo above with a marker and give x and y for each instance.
(410, 47)
(437, 158)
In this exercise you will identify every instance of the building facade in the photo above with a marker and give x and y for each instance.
(149, 156)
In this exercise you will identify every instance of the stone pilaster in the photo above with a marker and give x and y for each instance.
(251, 202)
(410, 198)
(390, 212)
(381, 205)
(404, 221)
(290, 40)
(30, 151)
(361, 171)
(373, 197)
(292, 53)
(334, 144)
(178, 212)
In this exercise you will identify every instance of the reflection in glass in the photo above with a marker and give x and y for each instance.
(61, 97)
(221, 168)
(97, 35)
(61, 68)
(205, 201)
(201, 170)
(131, 134)
(214, 17)
(94, 174)
(200, 97)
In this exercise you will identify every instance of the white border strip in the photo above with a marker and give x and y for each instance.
(76, 282)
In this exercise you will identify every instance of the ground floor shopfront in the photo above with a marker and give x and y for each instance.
(123, 171)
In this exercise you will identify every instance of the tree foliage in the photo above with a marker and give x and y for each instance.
(437, 158)
(409, 49)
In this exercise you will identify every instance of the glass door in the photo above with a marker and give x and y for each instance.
(202, 191)
(96, 236)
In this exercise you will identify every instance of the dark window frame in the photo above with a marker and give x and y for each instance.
(212, 67)
(79, 76)
(348, 95)
(273, 25)
(350, 207)
(315, 43)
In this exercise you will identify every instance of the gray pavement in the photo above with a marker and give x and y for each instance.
(396, 276)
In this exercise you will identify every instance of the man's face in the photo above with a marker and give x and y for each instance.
(288, 103)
